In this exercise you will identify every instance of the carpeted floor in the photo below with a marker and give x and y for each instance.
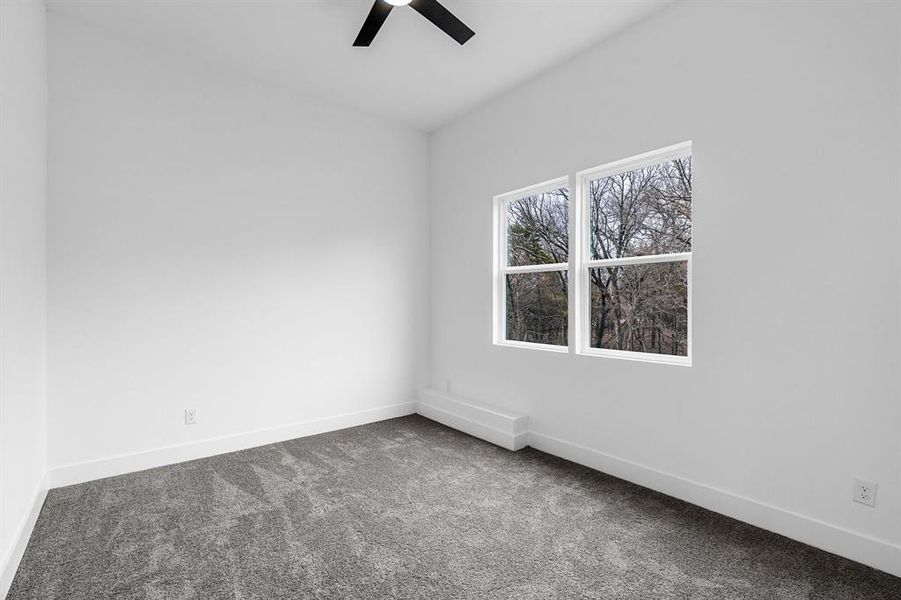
(407, 509)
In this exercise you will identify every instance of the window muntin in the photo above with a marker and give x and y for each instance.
(623, 272)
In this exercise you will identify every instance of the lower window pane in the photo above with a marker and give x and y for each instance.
(537, 308)
(640, 308)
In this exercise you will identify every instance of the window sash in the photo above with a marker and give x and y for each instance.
(501, 307)
(501, 203)
(583, 289)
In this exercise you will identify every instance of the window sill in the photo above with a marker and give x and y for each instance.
(663, 359)
(533, 346)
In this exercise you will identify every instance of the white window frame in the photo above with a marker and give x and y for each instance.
(501, 269)
(580, 262)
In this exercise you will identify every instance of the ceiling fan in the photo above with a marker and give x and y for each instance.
(430, 9)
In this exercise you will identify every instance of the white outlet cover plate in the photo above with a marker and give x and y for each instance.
(865, 492)
(190, 416)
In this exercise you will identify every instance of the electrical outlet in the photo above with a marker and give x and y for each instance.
(190, 416)
(448, 386)
(865, 492)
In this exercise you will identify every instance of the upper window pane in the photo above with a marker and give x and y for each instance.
(538, 228)
(641, 212)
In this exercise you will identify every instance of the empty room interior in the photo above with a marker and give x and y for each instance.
(508, 299)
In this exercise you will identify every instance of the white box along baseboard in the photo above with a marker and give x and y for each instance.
(501, 427)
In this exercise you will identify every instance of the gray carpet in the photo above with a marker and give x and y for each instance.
(407, 509)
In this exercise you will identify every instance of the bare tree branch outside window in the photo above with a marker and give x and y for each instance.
(538, 234)
(633, 259)
(647, 211)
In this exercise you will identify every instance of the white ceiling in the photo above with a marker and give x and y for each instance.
(412, 73)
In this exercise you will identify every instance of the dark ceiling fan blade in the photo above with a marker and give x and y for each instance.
(444, 19)
(373, 23)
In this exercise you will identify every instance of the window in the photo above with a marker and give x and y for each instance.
(623, 248)
(533, 274)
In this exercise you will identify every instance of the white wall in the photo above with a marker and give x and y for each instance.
(218, 244)
(793, 109)
(23, 267)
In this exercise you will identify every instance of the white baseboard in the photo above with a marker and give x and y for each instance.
(158, 457)
(505, 428)
(11, 561)
(876, 553)
(510, 430)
